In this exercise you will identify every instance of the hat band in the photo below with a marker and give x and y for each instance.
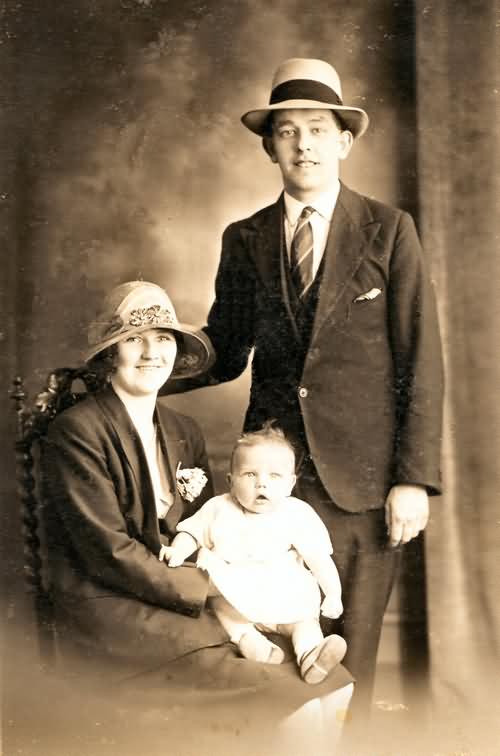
(304, 89)
(155, 315)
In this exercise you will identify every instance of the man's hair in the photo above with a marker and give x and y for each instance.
(268, 434)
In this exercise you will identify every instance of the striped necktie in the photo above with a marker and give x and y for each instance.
(301, 257)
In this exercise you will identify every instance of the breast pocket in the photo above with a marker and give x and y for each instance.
(368, 296)
(367, 310)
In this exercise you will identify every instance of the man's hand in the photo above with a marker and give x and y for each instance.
(406, 512)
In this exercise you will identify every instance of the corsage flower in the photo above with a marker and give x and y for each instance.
(190, 481)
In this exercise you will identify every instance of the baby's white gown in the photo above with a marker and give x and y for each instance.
(255, 560)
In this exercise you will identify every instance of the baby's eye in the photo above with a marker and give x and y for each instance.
(249, 474)
(275, 475)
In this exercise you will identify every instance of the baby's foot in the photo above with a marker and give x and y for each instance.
(255, 646)
(317, 664)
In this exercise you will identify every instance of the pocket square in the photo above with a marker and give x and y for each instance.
(372, 294)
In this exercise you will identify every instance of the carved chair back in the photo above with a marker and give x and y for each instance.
(33, 419)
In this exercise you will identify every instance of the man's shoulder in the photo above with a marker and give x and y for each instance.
(368, 208)
(257, 218)
(357, 205)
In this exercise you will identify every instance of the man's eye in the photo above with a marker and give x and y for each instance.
(286, 133)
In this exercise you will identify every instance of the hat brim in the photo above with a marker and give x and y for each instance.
(195, 353)
(355, 119)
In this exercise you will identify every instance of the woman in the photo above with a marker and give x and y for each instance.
(120, 471)
(111, 468)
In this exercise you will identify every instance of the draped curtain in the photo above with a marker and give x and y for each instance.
(458, 90)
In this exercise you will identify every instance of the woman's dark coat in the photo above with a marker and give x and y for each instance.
(109, 589)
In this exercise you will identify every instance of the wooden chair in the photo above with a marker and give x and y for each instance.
(32, 423)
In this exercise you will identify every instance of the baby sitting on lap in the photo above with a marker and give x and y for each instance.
(267, 554)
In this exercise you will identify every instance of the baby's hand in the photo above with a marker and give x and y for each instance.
(205, 559)
(332, 607)
(167, 554)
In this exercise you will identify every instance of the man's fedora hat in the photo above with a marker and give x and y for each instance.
(306, 83)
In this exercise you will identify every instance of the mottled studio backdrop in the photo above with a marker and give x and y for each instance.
(133, 159)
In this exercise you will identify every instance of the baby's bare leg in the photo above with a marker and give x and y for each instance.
(252, 644)
(304, 635)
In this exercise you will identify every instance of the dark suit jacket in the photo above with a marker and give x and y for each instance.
(109, 588)
(368, 390)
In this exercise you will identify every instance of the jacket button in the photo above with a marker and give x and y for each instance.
(303, 392)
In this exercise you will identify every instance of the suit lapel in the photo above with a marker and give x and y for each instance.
(267, 253)
(127, 437)
(264, 240)
(173, 449)
(350, 238)
(125, 433)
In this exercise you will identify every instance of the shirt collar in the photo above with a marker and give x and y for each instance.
(324, 204)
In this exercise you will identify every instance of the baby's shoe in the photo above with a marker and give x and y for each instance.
(317, 663)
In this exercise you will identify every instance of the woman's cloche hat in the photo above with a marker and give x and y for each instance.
(137, 306)
(301, 83)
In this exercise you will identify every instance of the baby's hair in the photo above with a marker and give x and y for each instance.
(269, 433)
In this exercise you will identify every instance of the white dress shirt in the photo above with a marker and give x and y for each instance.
(320, 221)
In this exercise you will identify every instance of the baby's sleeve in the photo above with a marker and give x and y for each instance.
(199, 525)
(309, 534)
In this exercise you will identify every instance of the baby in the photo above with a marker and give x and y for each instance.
(267, 554)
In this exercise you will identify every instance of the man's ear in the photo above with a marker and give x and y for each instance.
(267, 143)
(346, 141)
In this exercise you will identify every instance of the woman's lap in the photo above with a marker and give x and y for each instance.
(209, 694)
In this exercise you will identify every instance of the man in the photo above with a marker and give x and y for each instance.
(337, 304)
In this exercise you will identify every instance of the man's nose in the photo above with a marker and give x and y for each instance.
(303, 141)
